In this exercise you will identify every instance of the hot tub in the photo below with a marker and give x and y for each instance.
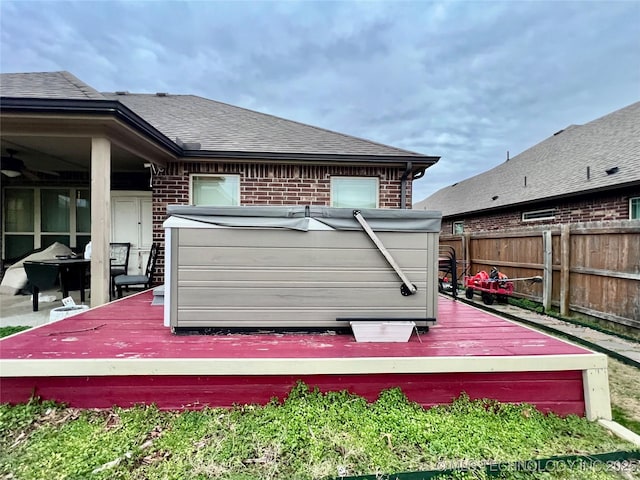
(298, 267)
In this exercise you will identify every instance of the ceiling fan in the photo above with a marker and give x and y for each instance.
(14, 167)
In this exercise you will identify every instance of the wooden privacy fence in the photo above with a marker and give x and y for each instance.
(590, 268)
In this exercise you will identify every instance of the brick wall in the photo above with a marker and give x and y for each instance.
(270, 184)
(591, 208)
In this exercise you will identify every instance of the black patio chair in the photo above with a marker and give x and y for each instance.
(139, 281)
(119, 255)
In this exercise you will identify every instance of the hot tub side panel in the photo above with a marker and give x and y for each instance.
(247, 278)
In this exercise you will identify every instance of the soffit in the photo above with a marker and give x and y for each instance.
(63, 142)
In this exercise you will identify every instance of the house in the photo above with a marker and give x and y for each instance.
(583, 173)
(79, 164)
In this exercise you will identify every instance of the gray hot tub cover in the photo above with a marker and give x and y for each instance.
(297, 217)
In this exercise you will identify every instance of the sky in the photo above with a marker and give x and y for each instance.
(463, 80)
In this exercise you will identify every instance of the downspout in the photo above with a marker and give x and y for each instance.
(403, 185)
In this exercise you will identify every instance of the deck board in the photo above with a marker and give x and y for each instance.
(132, 329)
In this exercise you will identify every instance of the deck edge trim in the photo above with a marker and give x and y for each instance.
(296, 366)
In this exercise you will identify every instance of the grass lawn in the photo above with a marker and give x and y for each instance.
(624, 384)
(309, 436)
(6, 331)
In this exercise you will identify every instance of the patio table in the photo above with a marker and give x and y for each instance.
(43, 274)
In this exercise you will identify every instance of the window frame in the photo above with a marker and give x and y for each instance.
(631, 201)
(37, 233)
(551, 216)
(454, 225)
(352, 177)
(192, 176)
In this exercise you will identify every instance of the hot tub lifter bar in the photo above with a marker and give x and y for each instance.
(407, 287)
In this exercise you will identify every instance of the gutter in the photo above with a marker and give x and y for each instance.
(319, 157)
(416, 175)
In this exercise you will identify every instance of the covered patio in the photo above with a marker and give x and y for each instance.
(63, 162)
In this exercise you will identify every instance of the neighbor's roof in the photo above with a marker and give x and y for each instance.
(554, 168)
(215, 126)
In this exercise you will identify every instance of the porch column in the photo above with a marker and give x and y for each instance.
(100, 220)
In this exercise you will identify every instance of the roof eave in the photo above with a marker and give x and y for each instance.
(545, 199)
(88, 106)
(418, 161)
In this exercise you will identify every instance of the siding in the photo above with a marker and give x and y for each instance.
(253, 277)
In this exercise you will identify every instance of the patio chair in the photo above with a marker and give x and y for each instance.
(119, 254)
(139, 281)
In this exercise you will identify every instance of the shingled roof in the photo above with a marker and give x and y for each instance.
(600, 155)
(218, 126)
(215, 126)
(46, 85)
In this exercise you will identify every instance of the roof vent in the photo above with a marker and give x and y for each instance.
(162, 94)
(122, 92)
(495, 197)
(558, 132)
(612, 170)
(188, 145)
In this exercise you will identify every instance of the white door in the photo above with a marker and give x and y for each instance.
(132, 221)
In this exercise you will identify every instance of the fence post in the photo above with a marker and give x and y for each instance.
(547, 261)
(565, 258)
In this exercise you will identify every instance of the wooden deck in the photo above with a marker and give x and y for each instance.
(121, 354)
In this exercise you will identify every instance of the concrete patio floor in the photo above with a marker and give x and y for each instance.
(17, 310)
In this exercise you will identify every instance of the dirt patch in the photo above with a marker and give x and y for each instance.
(625, 388)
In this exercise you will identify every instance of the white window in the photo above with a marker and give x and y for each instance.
(458, 228)
(634, 208)
(354, 192)
(218, 190)
(38, 217)
(549, 214)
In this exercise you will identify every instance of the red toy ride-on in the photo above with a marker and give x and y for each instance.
(492, 286)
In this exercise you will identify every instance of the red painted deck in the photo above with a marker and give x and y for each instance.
(121, 354)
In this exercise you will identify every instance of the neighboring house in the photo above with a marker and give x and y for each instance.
(583, 173)
(78, 164)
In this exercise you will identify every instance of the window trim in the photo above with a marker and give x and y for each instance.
(354, 177)
(631, 200)
(550, 216)
(453, 227)
(212, 175)
(37, 233)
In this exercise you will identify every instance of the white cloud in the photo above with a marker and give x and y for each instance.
(463, 80)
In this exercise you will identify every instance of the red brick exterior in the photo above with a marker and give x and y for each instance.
(270, 184)
(594, 207)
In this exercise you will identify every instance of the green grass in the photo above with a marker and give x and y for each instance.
(6, 331)
(310, 435)
(622, 417)
(604, 326)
